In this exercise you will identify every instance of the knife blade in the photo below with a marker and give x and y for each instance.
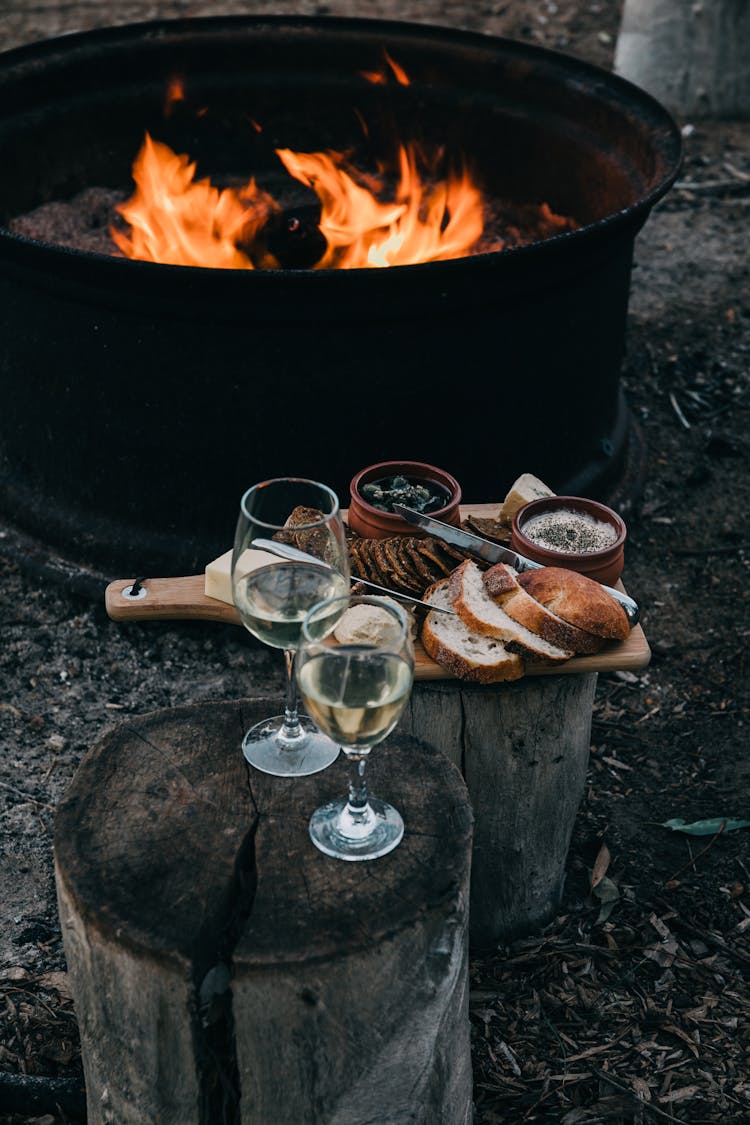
(466, 540)
(495, 552)
(286, 551)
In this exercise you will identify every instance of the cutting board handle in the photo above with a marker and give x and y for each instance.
(176, 599)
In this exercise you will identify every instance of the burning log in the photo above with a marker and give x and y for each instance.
(291, 240)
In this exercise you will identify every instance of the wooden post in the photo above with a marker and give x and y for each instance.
(224, 969)
(523, 750)
(693, 55)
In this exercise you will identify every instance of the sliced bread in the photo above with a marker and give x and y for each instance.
(502, 584)
(578, 600)
(484, 615)
(465, 654)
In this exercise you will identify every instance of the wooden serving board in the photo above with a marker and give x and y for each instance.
(181, 599)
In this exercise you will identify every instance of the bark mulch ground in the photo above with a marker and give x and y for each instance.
(634, 1005)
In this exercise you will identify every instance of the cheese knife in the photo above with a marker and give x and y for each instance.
(495, 552)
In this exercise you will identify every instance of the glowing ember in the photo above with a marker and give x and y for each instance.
(380, 77)
(175, 93)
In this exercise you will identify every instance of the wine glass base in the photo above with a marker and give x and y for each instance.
(386, 832)
(299, 757)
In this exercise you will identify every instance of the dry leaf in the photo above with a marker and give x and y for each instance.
(608, 894)
(601, 864)
(575, 1116)
(16, 972)
(663, 954)
(642, 1089)
(58, 982)
(683, 1035)
(680, 1095)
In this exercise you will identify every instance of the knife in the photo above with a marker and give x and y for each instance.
(286, 551)
(495, 552)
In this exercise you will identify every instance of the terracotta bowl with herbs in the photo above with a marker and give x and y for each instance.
(572, 532)
(425, 488)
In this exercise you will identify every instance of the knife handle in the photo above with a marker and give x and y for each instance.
(630, 606)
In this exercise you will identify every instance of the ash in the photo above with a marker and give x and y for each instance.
(84, 222)
(81, 223)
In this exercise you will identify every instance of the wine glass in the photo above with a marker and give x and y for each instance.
(272, 596)
(356, 693)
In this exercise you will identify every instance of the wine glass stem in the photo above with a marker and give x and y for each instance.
(291, 730)
(357, 786)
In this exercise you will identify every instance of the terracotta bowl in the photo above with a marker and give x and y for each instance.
(371, 523)
(603, 566)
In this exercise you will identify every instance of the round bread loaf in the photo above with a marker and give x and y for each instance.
(578, 600)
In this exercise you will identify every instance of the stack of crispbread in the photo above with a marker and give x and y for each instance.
(404, 563)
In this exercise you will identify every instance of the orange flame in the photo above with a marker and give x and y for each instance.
(181, 221)
(380, 77)
(398, 71)
(424, 224)
(178, 220)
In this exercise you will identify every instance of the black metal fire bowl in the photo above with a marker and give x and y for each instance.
(140, 400)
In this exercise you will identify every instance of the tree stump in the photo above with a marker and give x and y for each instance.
(690, 54)
(523, 749)
(224, 970)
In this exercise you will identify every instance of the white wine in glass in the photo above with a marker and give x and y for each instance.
(356, 694)
(272, 597)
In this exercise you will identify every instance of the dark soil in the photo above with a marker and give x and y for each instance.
(634, 1004)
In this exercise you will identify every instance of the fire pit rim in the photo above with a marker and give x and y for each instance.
(628, 217)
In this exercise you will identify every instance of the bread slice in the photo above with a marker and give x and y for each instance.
(502, 583)
(465, 654)
(483, 615)
(578, 600)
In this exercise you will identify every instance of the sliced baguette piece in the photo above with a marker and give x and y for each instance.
(465, 654)
(501, 583)
(483, 615)
(578, 600)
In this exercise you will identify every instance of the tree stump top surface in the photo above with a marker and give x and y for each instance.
(166, 830)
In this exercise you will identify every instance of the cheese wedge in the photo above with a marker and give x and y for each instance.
(218, 578)
(523, 491)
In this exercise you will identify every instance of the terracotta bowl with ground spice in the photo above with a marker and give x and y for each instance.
(573, 532)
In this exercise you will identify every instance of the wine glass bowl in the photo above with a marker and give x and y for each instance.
(272, 596)
(356, 694)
